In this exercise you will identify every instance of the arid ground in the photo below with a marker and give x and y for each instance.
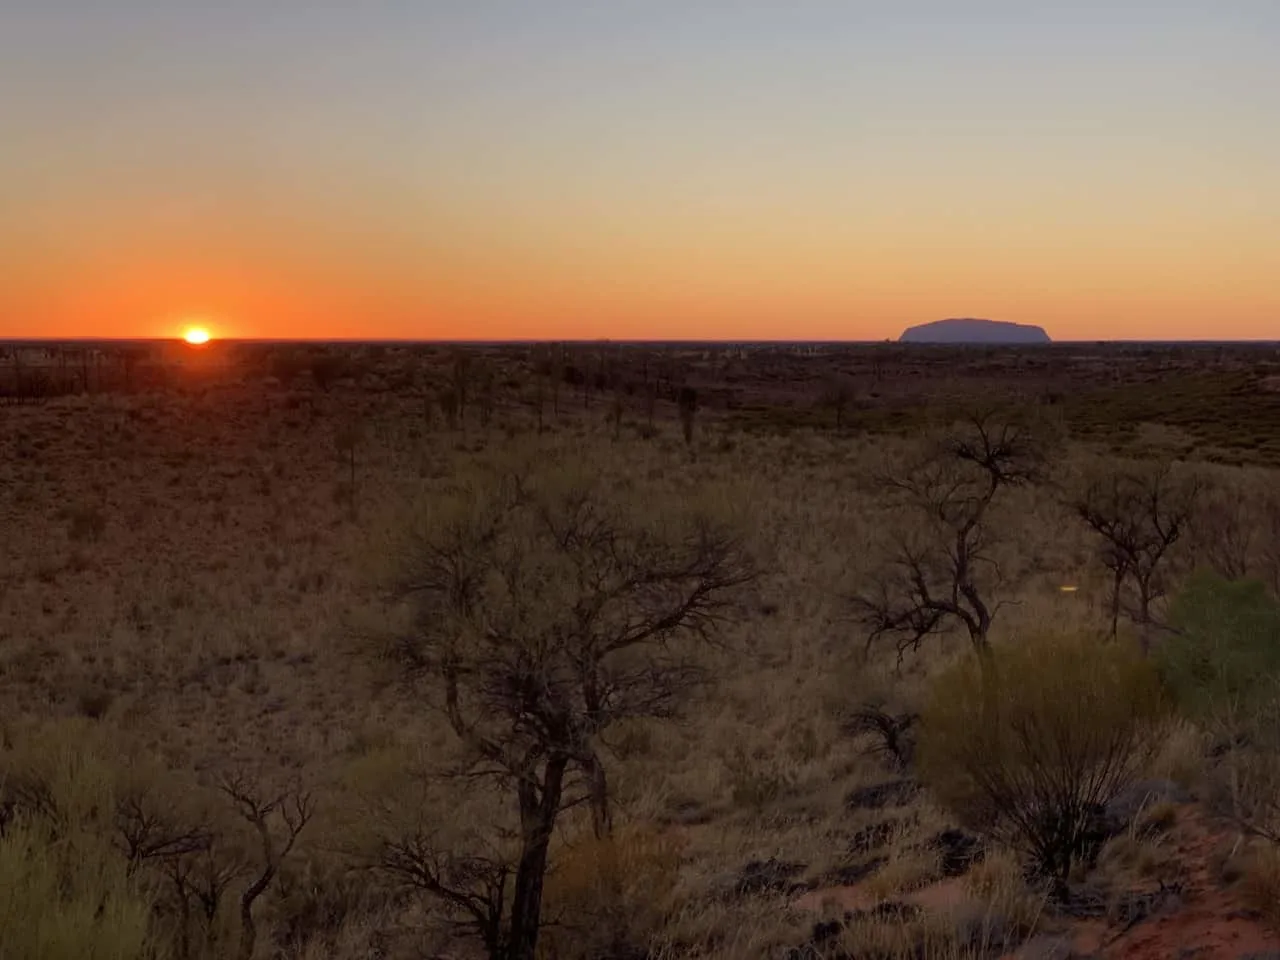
(199, 550)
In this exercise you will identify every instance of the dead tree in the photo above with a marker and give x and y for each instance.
(838, 394)
(461, 381)
(144, 834)
(475, 888)
(544, 615)
(448, 400)
(1227, 531)
(687, 402)
(277, 819)
(944, 575)
(189, 855)
(1138, 514)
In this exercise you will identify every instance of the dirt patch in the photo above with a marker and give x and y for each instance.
(1198, 917)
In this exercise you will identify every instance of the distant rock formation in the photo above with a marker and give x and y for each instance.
(967, 330)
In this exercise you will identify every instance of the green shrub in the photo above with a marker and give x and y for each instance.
(1223, 667)
(1029, 743)
(1224, 655)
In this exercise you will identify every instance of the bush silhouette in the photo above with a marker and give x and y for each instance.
(1030, 743)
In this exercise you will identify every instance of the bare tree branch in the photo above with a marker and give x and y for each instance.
(945, 579)
(544, 615)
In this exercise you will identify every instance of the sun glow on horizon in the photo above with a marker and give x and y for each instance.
(196, 336)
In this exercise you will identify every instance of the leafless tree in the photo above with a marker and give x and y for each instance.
(277, 819)
(487, 389)
(201, 876)
(448, 400)
(461, 381)
(1138, 513)
(145, 834)
(944, 575)
(544, 614)
(185, 850)
(475, 888)
(1226, 530)
(838, 393)
(617, 408)
(687, 401)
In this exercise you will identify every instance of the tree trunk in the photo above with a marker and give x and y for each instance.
(184, 919)
(1117, 584)
(601, 813)
(537, 818)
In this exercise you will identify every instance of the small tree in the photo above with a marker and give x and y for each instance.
(838, 394)
(326, 368)
(616, 410)
(687, 402)
(1138, 513)
(487, 396)
(461, 382)
(1226, 530)
(347, 443)
(945, 575)
(277, 820)
(448, 400)
(544, 614)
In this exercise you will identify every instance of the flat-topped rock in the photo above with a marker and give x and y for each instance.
(968, 330)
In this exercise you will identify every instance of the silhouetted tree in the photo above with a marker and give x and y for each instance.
(1229, 529)
(461, 382)
(448, 400)
(687, 402)
(1138, 513)
(278, 819)
(545, 613)
(944, 575)
(838, 394)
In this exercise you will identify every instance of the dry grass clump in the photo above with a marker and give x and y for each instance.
(66, 892)
(609, 895)
(1260, 880)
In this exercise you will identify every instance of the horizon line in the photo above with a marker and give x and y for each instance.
(693, 341)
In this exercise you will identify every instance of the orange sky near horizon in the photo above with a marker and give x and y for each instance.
(704, 171)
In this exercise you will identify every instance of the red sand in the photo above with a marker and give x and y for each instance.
(1205, 922)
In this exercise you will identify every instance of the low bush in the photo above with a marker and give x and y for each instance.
(1029, 743)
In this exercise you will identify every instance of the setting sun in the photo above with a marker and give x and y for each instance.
(196, 336)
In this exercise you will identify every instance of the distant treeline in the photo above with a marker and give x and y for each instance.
(38, 374)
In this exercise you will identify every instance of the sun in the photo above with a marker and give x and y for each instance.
(196, 336)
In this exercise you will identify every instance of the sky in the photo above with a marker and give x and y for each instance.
(639, 168)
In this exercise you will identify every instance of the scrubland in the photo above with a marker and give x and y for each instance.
(285, 665)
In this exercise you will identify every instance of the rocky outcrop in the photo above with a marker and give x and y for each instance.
(974, 331)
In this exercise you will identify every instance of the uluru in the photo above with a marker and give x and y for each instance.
(969, 330)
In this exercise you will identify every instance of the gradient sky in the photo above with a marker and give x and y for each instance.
(538, 168)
